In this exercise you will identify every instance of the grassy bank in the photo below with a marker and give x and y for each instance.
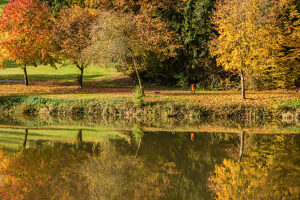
(54, 92)
(122, 106)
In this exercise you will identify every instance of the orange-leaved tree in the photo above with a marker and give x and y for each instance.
(25, 34)
(71, 35)
(249, 38)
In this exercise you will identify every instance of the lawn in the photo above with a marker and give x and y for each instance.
(66, 73)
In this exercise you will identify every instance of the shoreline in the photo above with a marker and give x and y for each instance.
(49, 107)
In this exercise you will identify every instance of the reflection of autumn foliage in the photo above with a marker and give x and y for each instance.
(115, 176)
(265, 172)
(30, 173)
(67, 171)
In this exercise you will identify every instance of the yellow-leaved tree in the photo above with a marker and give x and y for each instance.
(250, 37)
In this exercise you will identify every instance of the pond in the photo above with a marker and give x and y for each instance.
(137, 161)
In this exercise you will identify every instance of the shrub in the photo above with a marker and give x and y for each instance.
(138, 97)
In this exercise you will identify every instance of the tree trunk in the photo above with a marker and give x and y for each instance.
(242, 84)
(139, 79)
(80, 77)
(25, 76)
(25, 139)
(137, 73)
(241, 145)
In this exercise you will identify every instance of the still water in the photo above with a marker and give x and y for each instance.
(147, 163)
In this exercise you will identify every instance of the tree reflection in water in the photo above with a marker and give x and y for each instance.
(154, 165)
(80, 170)
(267, 170)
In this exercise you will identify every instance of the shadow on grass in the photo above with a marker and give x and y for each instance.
(46, 77)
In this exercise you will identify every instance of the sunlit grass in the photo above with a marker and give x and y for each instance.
(66, 73)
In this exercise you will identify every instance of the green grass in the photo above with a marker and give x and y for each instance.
(62, 73)
(288, 105)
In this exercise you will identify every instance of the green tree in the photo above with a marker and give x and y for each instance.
(195, 35)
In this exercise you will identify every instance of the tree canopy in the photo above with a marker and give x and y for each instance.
(25, 34)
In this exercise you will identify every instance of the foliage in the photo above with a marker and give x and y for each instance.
(130, 34)
(71, 35)
(251, 38)
(25, 33)
(288, 105)
(195, 32)
(163, 42)
(58, 5)
(138, 97)
(182, 80)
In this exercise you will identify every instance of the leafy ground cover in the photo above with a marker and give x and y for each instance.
(205, 98)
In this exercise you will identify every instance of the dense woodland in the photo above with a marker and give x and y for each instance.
(213, 44)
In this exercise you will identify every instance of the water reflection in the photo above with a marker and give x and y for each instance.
(152, 165)
(269, 170)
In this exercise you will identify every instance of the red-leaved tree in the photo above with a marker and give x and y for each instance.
(25, 34)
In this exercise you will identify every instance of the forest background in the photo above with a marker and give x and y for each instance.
(194, 29)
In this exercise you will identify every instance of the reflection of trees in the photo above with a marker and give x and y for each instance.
(268, 170)
(29, 173)
(137, 136)
(193, 159)
(25, 139)
(44, 171)
(88, 171)
(242, 136)
(113, 176)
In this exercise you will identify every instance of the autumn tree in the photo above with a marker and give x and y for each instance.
(25, 34)
(114, 40)
(71, 36)
(247, 38)
(287, 72)
(126, 36)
